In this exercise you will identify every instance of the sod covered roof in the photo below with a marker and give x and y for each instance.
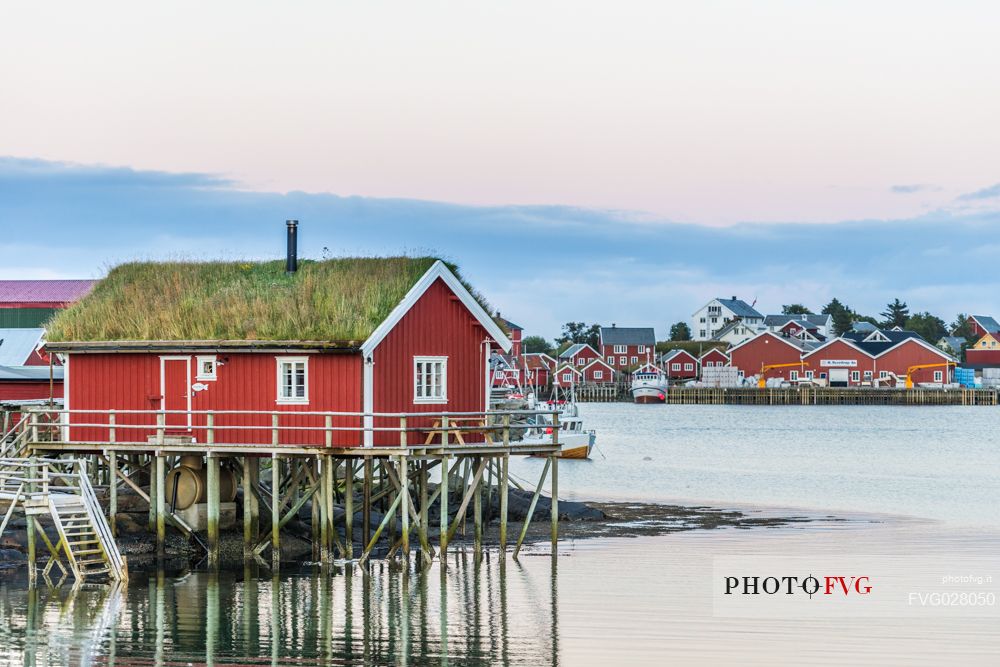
(331, 300)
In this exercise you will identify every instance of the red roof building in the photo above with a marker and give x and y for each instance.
(714, 357)
(598, 372)
(429, 354)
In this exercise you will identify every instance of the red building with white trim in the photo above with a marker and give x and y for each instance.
(598, 372)
(679, 364)
(430, 353)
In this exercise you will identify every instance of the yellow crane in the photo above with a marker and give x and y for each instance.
(909, 371)
(762, 382)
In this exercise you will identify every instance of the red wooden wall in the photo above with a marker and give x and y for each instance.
(765, 349)
(439, 324)
(22, 391)
(245, 381)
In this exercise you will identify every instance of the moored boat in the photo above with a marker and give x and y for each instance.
(575, 442)
(649, 386)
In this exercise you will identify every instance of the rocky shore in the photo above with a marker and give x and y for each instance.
(577, 520)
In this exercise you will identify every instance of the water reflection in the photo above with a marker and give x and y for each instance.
(488, 611)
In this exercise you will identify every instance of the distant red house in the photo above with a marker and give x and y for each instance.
(567, 376)
(982, 325)
(627, 347)
(538, 369)
(598, 372)
(578, 355)
(767, 348)
(428, 353)
(714, 357)
(679, 364)
(30, 303)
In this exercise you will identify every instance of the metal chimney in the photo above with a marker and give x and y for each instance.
(292, 259)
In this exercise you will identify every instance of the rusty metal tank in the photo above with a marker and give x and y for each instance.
(190, 479)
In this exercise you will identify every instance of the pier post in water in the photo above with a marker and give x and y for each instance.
(404, 490)
(275, 510)
(555, 502)
(504, 476)
(349, 507)
(443, 519)
(251, 506)
(113, 491)
(159, 479)
(213, 509)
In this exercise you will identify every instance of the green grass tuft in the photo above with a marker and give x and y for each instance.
(331, 300)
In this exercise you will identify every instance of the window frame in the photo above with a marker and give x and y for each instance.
(939, 376)
(598, 375)
(688, 366)
(199, 360)
(620, 349)
(793, 376)
(675, 366)
(855, 376)
(292, 400)
(432, 400)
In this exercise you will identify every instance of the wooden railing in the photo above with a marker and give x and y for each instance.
(283, 428)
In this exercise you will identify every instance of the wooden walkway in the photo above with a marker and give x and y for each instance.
(61, 490)
(279, 475)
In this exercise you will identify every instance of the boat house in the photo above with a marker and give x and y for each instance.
(357, 335)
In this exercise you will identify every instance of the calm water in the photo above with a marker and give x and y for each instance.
(635, 601)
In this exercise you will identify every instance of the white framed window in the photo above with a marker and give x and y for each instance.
(868, 376)
(206, 368)
(701, 333)
(598, 375)
(293, 380)
(623, 361)
(675, 367)
(793, 376)
(621, 349)
(883, 374)
(938, 376)
(430, 379)
(810, 375)
(642, 349)
(611, 361)
(855, 376)
(635, 360)
(581, 361)
(701, 320)
(567, 377)
(689, 367)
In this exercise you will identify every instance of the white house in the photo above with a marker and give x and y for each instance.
(736, 332)
(708, 320)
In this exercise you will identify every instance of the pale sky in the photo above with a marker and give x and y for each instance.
(707, 112)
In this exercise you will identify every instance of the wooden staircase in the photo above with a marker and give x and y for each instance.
(61, 490)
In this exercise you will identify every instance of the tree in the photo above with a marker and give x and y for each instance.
(680, 331)
(843, 317)
(895, 314)
(961, 327)
(929, 327)
(578, 332)
(532, 344)
(795, 309)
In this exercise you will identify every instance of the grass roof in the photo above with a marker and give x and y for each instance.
(330, 300)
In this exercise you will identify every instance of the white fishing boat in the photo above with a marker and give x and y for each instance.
(575, 441)
(649, 385)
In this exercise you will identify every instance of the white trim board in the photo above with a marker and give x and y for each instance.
(163, 392)
(438, 270)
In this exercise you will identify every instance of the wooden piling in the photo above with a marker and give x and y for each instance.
(477, 512)
(113, 491)
(555, 501)
(405, 503)
(504, 483)
(161, 504)
(443, 519)
(326, 488)
(275, 511)
(366, 503)
(349, 507)
(213, 499)
(251, 506)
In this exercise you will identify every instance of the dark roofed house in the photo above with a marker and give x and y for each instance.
(624, 348)
(982, 325)
(30, 303)
(351, 335)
